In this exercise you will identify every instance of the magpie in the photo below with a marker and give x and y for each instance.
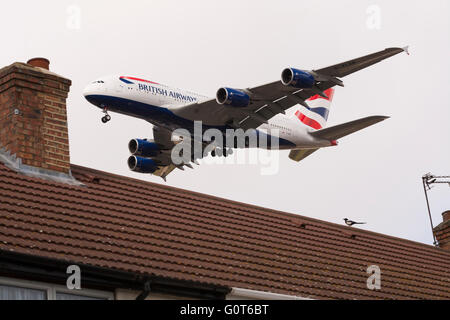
(350, 222)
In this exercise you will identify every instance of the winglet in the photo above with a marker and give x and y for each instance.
(406, 49)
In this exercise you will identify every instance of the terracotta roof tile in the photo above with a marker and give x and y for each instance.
(132, 225)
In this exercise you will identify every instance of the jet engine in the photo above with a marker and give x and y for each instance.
(232, 97)
(297, 78)
(143, 148)
(142, 165)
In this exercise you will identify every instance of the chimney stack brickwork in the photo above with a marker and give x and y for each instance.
(33, 120)
(442, 231)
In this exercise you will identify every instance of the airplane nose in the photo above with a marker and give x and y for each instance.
(90, 93)
(87, 91)
(94, 92)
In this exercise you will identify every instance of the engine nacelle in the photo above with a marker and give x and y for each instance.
(297, 78)
(143, 147)
(143, 165)
(232, 97)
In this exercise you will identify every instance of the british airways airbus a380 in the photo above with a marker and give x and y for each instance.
(259, 110)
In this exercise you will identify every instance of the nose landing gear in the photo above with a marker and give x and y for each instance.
(107, 117)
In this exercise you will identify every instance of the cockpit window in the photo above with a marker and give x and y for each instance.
(99, 81)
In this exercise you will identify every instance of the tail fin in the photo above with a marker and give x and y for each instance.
(316, 115)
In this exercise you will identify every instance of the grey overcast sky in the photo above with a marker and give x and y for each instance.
(374, 175)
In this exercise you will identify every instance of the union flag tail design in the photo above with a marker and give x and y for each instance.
(316, 115)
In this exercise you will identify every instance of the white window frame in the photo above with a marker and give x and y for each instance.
(52, 289)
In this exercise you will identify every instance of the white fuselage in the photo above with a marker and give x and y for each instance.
(158, 104)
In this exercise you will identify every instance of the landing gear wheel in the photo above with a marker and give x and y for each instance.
(107, 117)
(227, 152)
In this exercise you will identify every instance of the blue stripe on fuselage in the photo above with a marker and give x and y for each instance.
(159, 116)
(125, 80)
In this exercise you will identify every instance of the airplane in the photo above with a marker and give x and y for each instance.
(260, 110)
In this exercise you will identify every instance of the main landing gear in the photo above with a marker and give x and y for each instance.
(107, 117)
(219, 152)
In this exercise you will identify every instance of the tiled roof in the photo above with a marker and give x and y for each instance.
(132, 225)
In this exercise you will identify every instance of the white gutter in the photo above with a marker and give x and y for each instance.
(247, 294)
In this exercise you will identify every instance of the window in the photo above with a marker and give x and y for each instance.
(18, 293)
(12, 289)
(68, 296)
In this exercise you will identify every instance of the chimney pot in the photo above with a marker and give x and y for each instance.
(40, 63)
(446, 215)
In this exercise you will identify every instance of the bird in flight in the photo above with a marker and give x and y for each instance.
(351, 223)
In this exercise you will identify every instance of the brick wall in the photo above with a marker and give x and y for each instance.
(442, 231)
(33, 120)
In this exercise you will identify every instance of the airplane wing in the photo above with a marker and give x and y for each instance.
(164, 171)
(273, 98)
(163, 137)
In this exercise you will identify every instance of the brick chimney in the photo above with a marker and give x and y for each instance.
(33, 120)
(442, 231)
